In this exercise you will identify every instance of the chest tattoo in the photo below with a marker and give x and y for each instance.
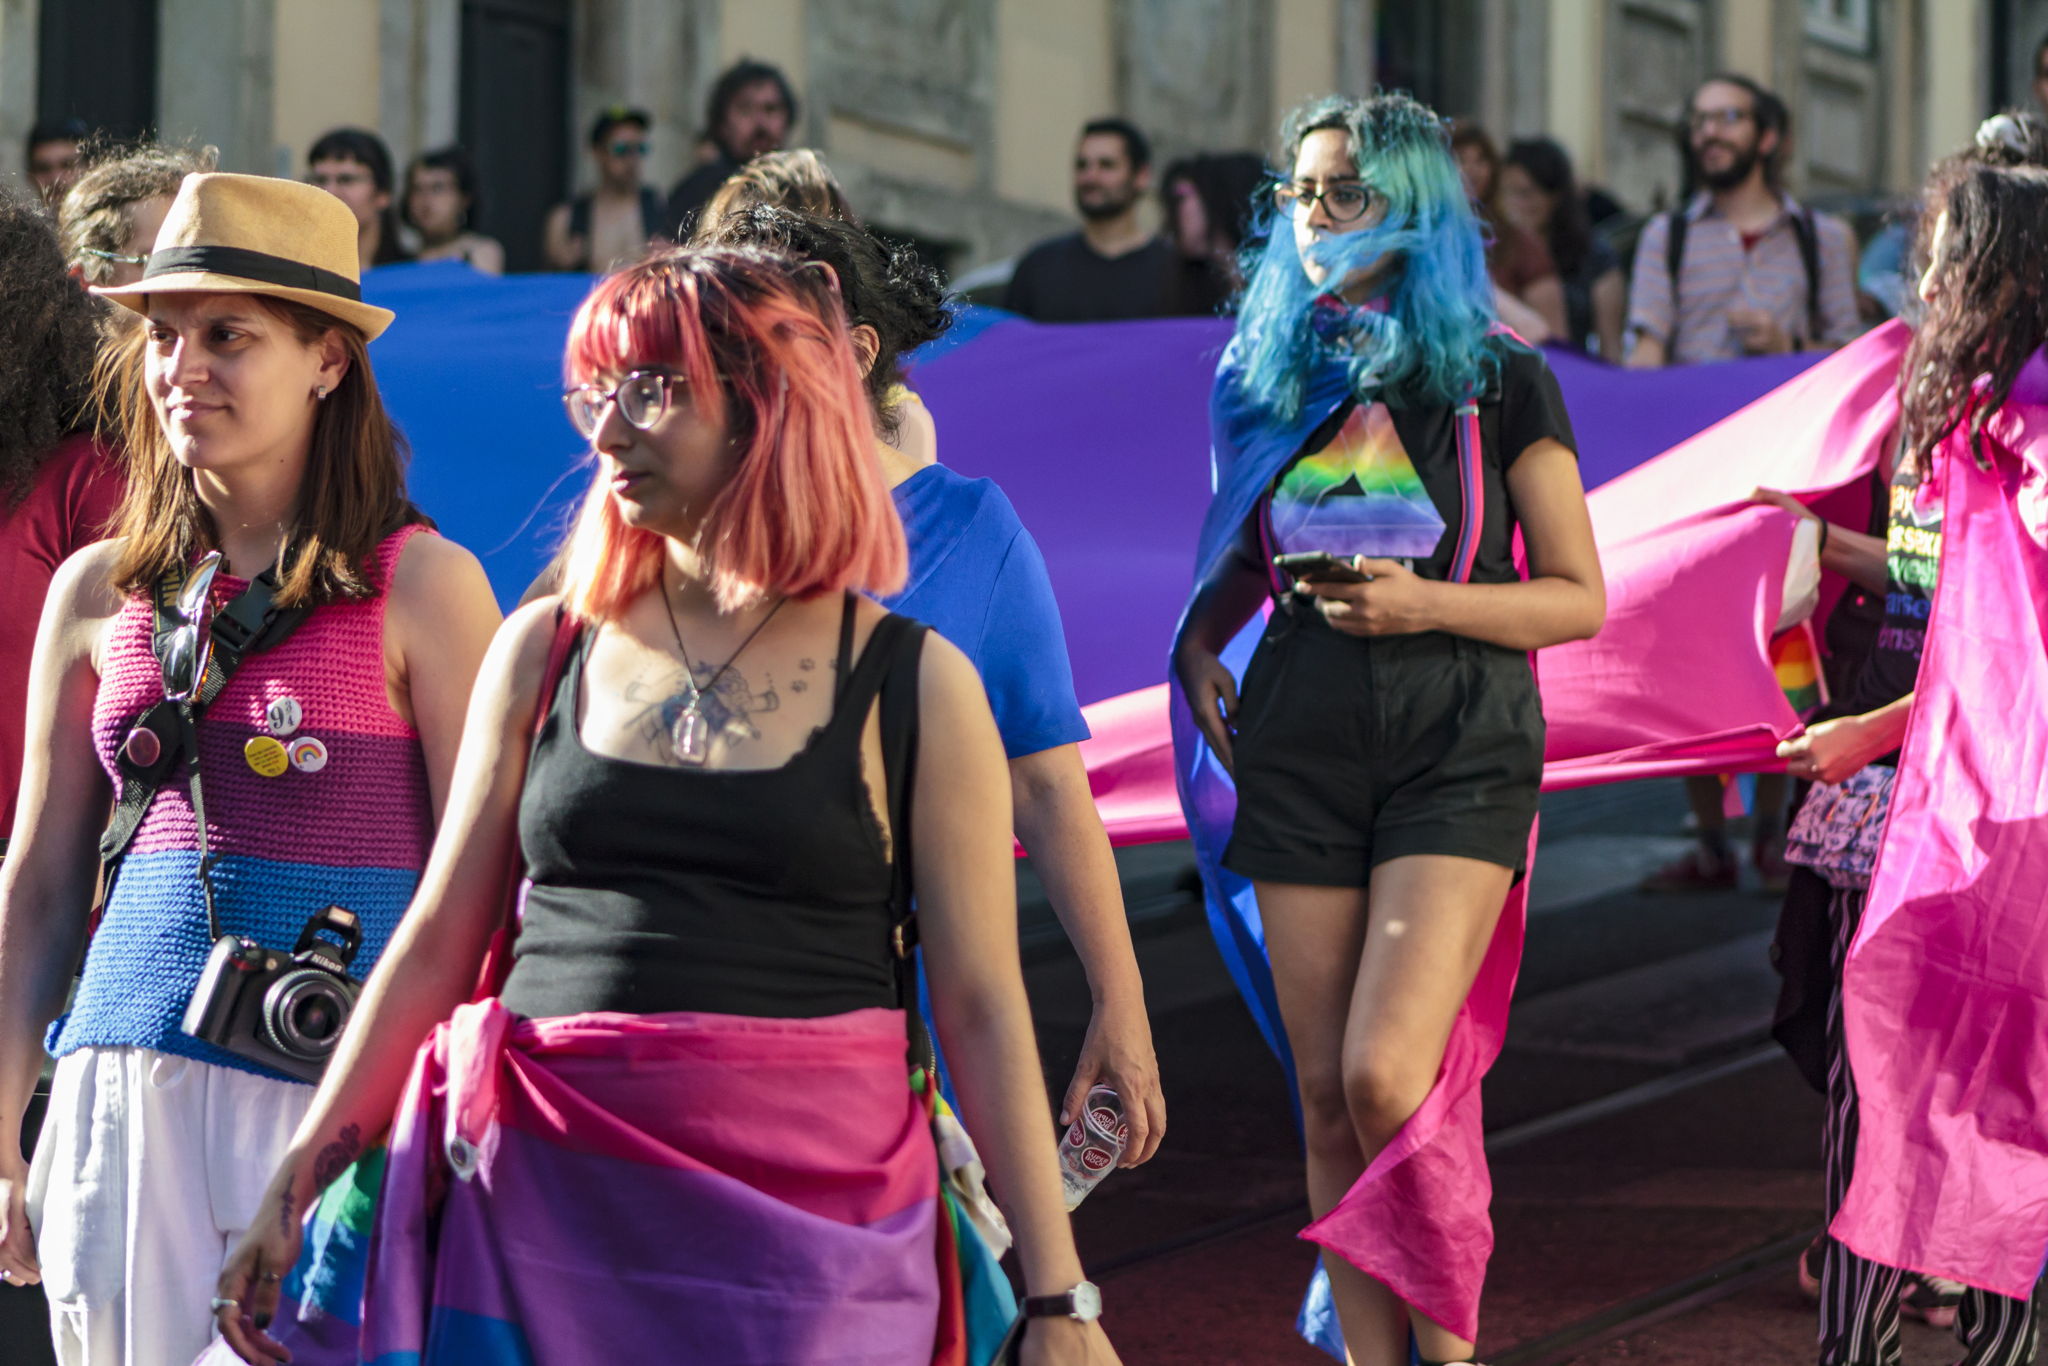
(728, 709)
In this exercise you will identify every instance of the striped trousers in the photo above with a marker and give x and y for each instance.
(1859, 1300)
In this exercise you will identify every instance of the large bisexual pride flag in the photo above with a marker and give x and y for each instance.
(1097, 432)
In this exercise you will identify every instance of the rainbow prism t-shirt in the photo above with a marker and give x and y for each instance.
(1359, 495)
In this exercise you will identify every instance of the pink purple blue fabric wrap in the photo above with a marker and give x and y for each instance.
(602, 1188)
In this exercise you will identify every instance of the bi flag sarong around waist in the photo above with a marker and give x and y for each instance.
(683, 1187)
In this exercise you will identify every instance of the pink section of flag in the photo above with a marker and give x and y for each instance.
(1946, 1002)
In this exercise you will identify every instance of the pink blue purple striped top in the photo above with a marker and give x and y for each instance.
(353, 832)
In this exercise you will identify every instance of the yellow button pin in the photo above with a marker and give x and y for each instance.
(266, 754)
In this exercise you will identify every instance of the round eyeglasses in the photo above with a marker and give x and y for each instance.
(642, 398)
(116, 257)
(189, 647)
(1345, 202)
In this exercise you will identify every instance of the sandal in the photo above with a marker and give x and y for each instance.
(1809, 1268)
(1930, 1299)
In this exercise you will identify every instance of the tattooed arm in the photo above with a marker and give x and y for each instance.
(429, 969)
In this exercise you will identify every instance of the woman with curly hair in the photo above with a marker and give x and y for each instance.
(109, 217)
(58, 487)
(977, 578)
(1985, 323)
(797, 178)
(1379, 442)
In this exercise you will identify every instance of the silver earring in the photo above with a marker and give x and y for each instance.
(320, 392)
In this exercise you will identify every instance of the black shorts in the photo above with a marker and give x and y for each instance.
(1354, 750)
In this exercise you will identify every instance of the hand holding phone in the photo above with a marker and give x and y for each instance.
(1318, 566)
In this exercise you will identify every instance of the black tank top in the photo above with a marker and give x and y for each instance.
(760, 892)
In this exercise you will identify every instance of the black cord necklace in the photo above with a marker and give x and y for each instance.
(689, 735)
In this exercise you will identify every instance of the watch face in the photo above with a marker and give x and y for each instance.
(1087, 1302)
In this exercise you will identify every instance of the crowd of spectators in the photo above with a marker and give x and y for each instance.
(1737, 266)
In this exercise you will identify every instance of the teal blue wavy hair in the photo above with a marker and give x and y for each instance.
(1429, 343)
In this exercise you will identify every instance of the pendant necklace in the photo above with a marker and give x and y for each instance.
(689, 735)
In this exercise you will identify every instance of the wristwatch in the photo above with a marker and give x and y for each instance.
(1083, 1302)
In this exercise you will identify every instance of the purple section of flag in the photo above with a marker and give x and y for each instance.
(1099, 434)
(593, 1225)
(864, 1293)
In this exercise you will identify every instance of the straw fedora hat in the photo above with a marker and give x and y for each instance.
(252, 234)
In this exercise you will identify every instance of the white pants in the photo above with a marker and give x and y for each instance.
(149, 1168)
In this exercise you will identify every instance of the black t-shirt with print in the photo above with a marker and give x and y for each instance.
(1417, 443)
(1912, 560)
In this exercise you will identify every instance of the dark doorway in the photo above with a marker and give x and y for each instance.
(97, 63)
(515, 116)
(1427, 47)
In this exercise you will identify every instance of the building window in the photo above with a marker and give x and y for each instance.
(1844, 23)
(98, 63)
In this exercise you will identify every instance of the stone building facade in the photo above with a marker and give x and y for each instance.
(953, 119)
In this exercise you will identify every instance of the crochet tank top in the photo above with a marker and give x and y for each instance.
(347, 823)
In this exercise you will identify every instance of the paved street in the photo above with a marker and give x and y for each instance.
(1656, 1161)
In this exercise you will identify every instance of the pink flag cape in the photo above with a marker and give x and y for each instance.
(1946, 991)
(1680, 680)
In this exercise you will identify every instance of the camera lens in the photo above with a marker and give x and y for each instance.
(305, 1012)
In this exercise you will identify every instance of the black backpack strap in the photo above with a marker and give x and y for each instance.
(1807, 234)
(579, 216)
(899, 719)
(653, 212)
(1674, 247)
(1674, 263)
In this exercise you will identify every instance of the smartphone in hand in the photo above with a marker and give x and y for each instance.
(1318, 565)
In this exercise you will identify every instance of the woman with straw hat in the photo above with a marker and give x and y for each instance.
(263, 673)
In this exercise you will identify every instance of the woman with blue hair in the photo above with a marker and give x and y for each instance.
(1379, 441)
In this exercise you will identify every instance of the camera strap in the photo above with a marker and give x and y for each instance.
(250, 623)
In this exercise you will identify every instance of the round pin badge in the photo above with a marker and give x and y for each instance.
(142, 747)
(265, 754)
(308, 755)
(283, 716)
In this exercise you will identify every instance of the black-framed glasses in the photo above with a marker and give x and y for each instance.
(116, 257)
(189, 648)
(642, 398)
(1344, 201)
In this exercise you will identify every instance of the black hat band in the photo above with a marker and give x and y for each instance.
(252, 265)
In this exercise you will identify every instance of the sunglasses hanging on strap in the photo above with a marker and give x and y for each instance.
(198, 650)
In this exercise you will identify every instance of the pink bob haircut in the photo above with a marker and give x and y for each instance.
(760, 344)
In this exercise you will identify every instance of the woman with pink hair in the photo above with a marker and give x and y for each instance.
(682, 1125)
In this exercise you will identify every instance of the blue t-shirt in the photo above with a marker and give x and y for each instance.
(976, 578)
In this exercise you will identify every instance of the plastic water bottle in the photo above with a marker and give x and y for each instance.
(1093, 1144)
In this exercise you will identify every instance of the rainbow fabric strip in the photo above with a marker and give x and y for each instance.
(1359, 495)
(1796, 661)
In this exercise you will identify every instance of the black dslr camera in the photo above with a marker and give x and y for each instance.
(284, 1013)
